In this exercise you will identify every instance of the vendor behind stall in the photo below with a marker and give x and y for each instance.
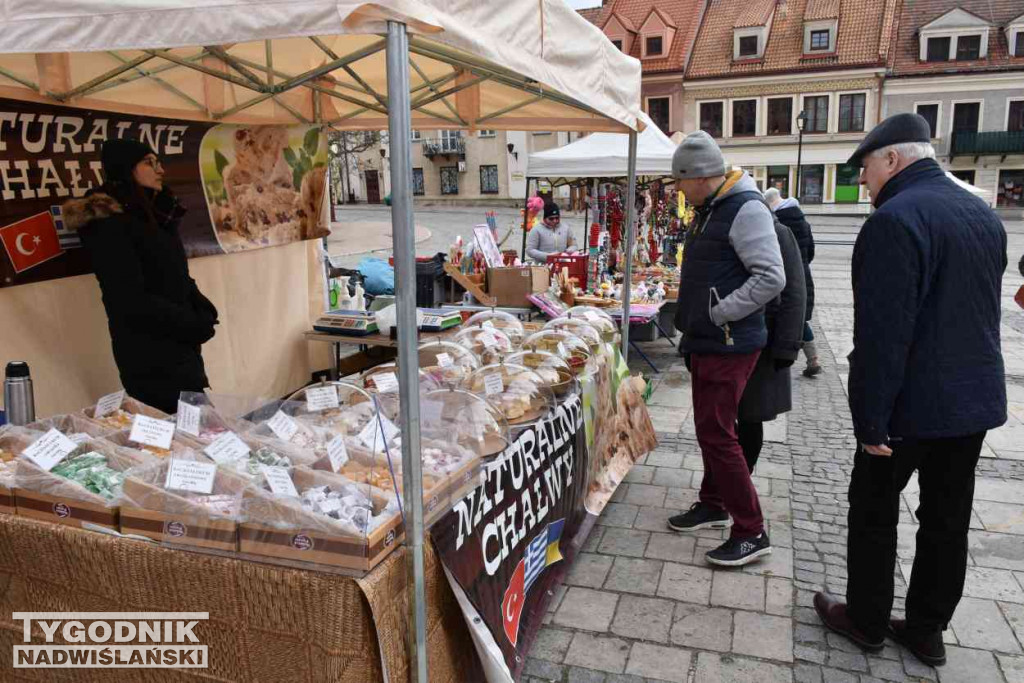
(157, 316)
(551, 237)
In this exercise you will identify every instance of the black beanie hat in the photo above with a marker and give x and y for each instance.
(120, 157)
(551, 211)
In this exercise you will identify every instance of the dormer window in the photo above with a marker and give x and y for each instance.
(820, 36)
(617, 44)
(956, 35)
(819, 40)
(748, 46)
(653, 46)
(968, 48)
(938, 49)
(1018, 44)
(748, 43)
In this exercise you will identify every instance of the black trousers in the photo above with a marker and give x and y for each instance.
(946, 475)
(751, 437)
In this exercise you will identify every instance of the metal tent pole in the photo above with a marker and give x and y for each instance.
(627, 281)
(404, 246)
(526, 201)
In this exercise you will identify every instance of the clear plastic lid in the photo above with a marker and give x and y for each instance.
(447, 363)
(598, 319)
(458, 416)
(563, 344)
(506, 322)
(345, 410)
(382, 383)
(518, 392)
(579, 327)
(489, 344)
(555, 372)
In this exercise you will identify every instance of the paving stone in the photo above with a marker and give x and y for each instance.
(779, 563)
(980, 624)
(618, 541)
(593, 539)
(702, 628)
(672, 547)
(810, 653)
(763, 636)
(779, 598)
(716, 668)
(1001, 517)
(969, 666)
(598, 652)
(646, 494)
(663, 663)
(806, 633)
(618, 515)
(848, 661)
(739, 590)
(685, 583)
(993, 584)
(775, 508)
(644, 619)
(551, 644)
(589, 570)
(634, 576)
(998, 490)
(672, 477)
(806, 673)
(580, 675)
(586, 609)
(1013, 668)
(543, 670)
(1015, 617)
(829, 675)
(663, 459)
(624, 678)
(640, 474)
(1003, 551)
(653, 519)
(680, 500)
(885, 669)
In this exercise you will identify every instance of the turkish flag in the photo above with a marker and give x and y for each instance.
(512, 605)
(31, 241)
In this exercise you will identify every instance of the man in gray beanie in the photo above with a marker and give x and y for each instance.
(732, 267)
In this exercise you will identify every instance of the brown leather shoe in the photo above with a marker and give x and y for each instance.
(832, 612)
(925, 645)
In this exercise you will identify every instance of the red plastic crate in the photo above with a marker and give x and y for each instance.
(576, 263)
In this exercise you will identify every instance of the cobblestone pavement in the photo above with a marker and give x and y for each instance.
(642, 605)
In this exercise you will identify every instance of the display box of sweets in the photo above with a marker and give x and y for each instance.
(13, 440)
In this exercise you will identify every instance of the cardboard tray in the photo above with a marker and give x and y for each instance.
(129, 405)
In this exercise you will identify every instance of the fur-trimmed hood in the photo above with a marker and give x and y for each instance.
(77, 213)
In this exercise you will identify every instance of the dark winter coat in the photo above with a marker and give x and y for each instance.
(157, 317)
(792, 216)
(927, 278)
(769, 392)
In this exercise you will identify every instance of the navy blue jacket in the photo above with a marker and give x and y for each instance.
(927, 277)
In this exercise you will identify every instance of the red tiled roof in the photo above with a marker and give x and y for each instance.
(904, 59)
(821, 9)
(683, 15)
(626, 23)
(862, 36)
(591, 14)
(754, 13)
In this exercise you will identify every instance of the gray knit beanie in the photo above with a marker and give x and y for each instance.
(698, 156)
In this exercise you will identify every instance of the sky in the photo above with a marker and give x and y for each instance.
(580, 4)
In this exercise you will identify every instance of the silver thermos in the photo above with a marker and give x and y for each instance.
(19, 401)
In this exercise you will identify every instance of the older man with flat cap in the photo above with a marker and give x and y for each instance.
(926, 383)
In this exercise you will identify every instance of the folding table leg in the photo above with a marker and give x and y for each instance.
(664, 334)
(644, 356)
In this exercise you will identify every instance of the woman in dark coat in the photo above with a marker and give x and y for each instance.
(157, 316)
(769, 392)
(790, 214)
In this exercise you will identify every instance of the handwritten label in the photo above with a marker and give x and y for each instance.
(386, 382)
(444, 360)
(188, 418)
(49, 449)
(226, 449)
(188, 475)
(321, 398)
(373, 437)
(279, 481)
(487, 339)
(283, 426)
(152, 432)
(108, 404)
(337, 453)
(493, 384)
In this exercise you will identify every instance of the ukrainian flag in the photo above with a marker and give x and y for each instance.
(554, 537)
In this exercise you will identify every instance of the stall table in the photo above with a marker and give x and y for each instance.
(644, 314)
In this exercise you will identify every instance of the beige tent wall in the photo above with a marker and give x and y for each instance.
(265, 298)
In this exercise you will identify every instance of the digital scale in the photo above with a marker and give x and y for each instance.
(437, 320)
(350, 323)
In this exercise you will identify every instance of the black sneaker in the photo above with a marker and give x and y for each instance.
(737, 552)
(700, 516)
(812, 370)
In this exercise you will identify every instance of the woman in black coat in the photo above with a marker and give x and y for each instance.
(158, 318)
(769, 391)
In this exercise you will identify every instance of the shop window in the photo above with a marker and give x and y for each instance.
(748, 46)
(744, 118)
(938, 49)
(847, 184)
(653, 46)
(966, 117)
(780, 116)
(711, 118)
(851, 113)
(966, 176)
(488, 180)
(778, 177)
(817, 114)
(449, 180)
(812, 184)
(820, 40)
(1015, 119)
(968, 48)
(930, 113)
(658, 110)
(1011, 189)
(418, 186)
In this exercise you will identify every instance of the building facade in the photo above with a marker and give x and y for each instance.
(763, 69)
(961, 66)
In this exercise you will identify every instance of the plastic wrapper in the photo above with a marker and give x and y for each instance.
(13, 440)
(518, 392)
(564, 344)
(552, 369)
(123, 416)
(598, 319)
(211, 423)
(179, 444)
(75, 427)
(312, 430)
(388, 396)
(489, 344)
(506, 322)
(449, 364)
(579, 327)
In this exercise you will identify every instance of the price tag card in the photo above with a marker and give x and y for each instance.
(188, 475)
(283, 426)
(372, 435)
(188, 418)
(386, 382)
(488, 339)
(444, 360)
(49, 449)
(152, 432)
(279, 481)
(227, 448)
(493, 384)
(337, 453)
(321, 398)
(489, 324)
(108, 404)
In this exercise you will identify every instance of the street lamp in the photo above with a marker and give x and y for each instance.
(801, 121)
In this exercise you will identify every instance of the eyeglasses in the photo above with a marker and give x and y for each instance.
(153, 163)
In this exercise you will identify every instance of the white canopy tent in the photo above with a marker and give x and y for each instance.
(973, 189)
(394, 64)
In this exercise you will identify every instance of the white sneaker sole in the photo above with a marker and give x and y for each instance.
(752, 557)
(724, 524)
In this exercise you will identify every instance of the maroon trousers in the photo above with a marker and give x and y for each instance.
(718, 384)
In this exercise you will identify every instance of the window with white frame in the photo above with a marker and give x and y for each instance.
(1018, 43)
(654, 46)
(966, 117)
(416, 136)
(780, 116)
(820, 36)
(851, 112)
(968, 48)
(658, 109)
(816, 108)
(1014, 31)
(486, 133)
(930, 112)
(744, 118)
(956, 35)
(938, 49)
(712, 118)
(489, 179)
(1015, 116)
(748, 46)
(748, 43)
